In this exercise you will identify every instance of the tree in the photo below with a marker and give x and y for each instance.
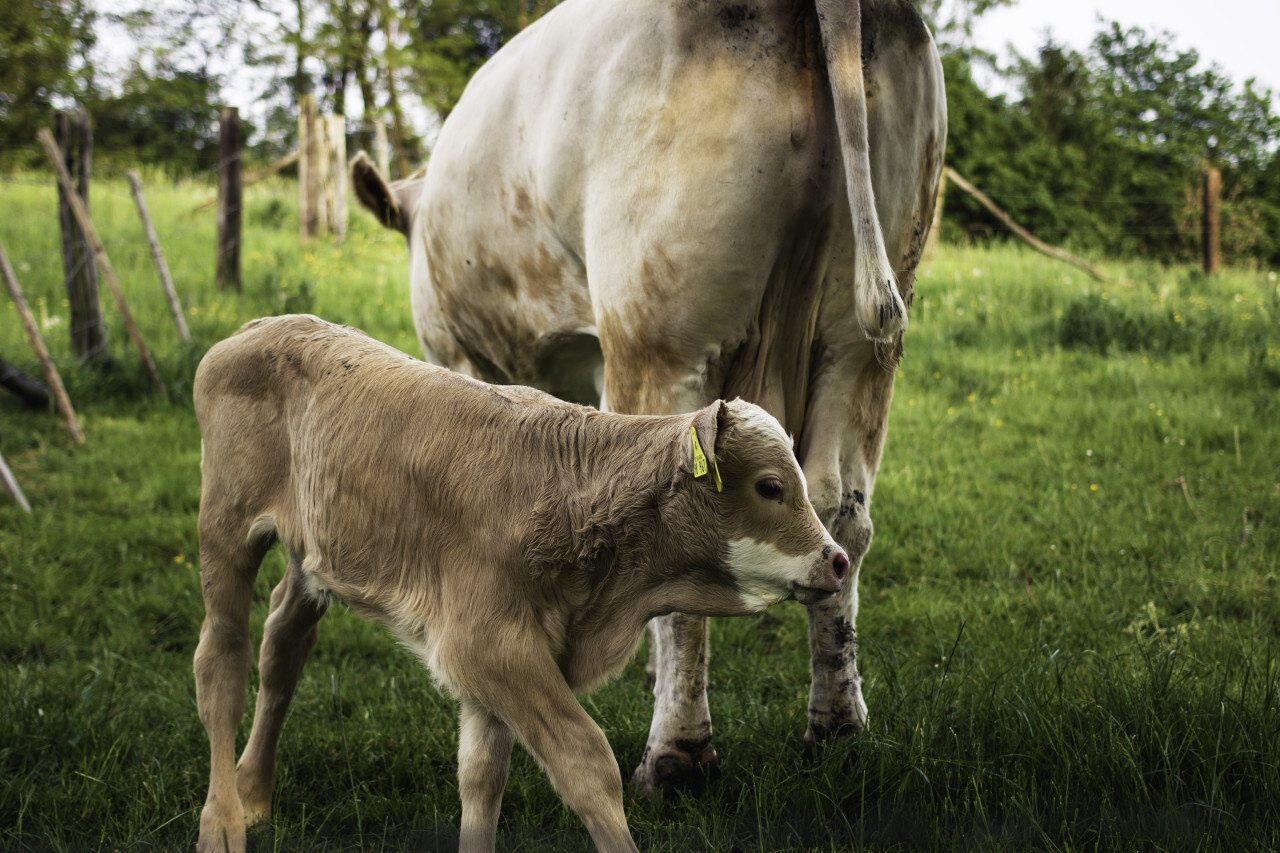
(42, 48)
(1104, 149)
(169, 118)
(448, 41)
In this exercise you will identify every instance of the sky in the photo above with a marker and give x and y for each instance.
(1238, 35)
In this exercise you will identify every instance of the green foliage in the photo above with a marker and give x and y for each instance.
(170, 121)
(449, 41)
(1104, 150)
(42, 46)
(1069, 630)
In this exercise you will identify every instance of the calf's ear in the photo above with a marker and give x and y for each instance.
(700, 443)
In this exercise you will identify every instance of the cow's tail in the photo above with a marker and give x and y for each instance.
(879, 307)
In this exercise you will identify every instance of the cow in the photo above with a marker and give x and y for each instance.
(651, 204)
(516, 543)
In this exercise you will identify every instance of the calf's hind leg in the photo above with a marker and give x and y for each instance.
(287, 640)
(222, 673)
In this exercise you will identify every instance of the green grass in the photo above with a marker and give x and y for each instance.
(1070, 631)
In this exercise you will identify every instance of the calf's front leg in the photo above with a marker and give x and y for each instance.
(484, 758)
(521, 686)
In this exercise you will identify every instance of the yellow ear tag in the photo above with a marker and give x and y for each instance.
(700, 461)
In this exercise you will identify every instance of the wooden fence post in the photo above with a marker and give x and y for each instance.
(382, 148)
(51, 376)
(175, 307)
(320, 177)
(100, 255)
(229, 199)
(935, 228)
(308, 162)
(75, 145)
(336, 197)
(259, 175)
(1209, 220)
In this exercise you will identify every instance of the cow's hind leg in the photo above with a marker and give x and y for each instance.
(484, 757)
(228, 565)
(288, 637)
(841, 449)
(679, 751)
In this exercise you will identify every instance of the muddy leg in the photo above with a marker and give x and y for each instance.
(836, 706)
(679, 750)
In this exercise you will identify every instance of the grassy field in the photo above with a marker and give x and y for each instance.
(1070, 625)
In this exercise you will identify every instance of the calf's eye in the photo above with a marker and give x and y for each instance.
(770, 489)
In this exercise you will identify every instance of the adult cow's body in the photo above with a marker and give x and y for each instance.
(643, 203)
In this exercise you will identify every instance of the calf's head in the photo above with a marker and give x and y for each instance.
(746, 475)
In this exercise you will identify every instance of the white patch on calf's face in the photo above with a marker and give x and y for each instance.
(764, 574)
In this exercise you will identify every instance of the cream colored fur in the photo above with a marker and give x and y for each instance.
(516, 543)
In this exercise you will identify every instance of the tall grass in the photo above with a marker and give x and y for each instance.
(1069, 632)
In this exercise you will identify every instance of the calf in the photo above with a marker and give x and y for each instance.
(516, 543)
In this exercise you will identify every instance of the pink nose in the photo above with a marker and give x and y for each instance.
(840, 565)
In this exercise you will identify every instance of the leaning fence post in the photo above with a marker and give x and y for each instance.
(174, 305)
(100, 254)
(51, 376)
(11, 486)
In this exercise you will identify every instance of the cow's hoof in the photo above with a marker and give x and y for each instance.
(676, 769)
(821, 732)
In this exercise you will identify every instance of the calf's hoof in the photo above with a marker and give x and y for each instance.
(676, 768)
(220, 833)
(255, 797)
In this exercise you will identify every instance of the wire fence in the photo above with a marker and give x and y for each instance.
(186, 231)
(43, 275)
